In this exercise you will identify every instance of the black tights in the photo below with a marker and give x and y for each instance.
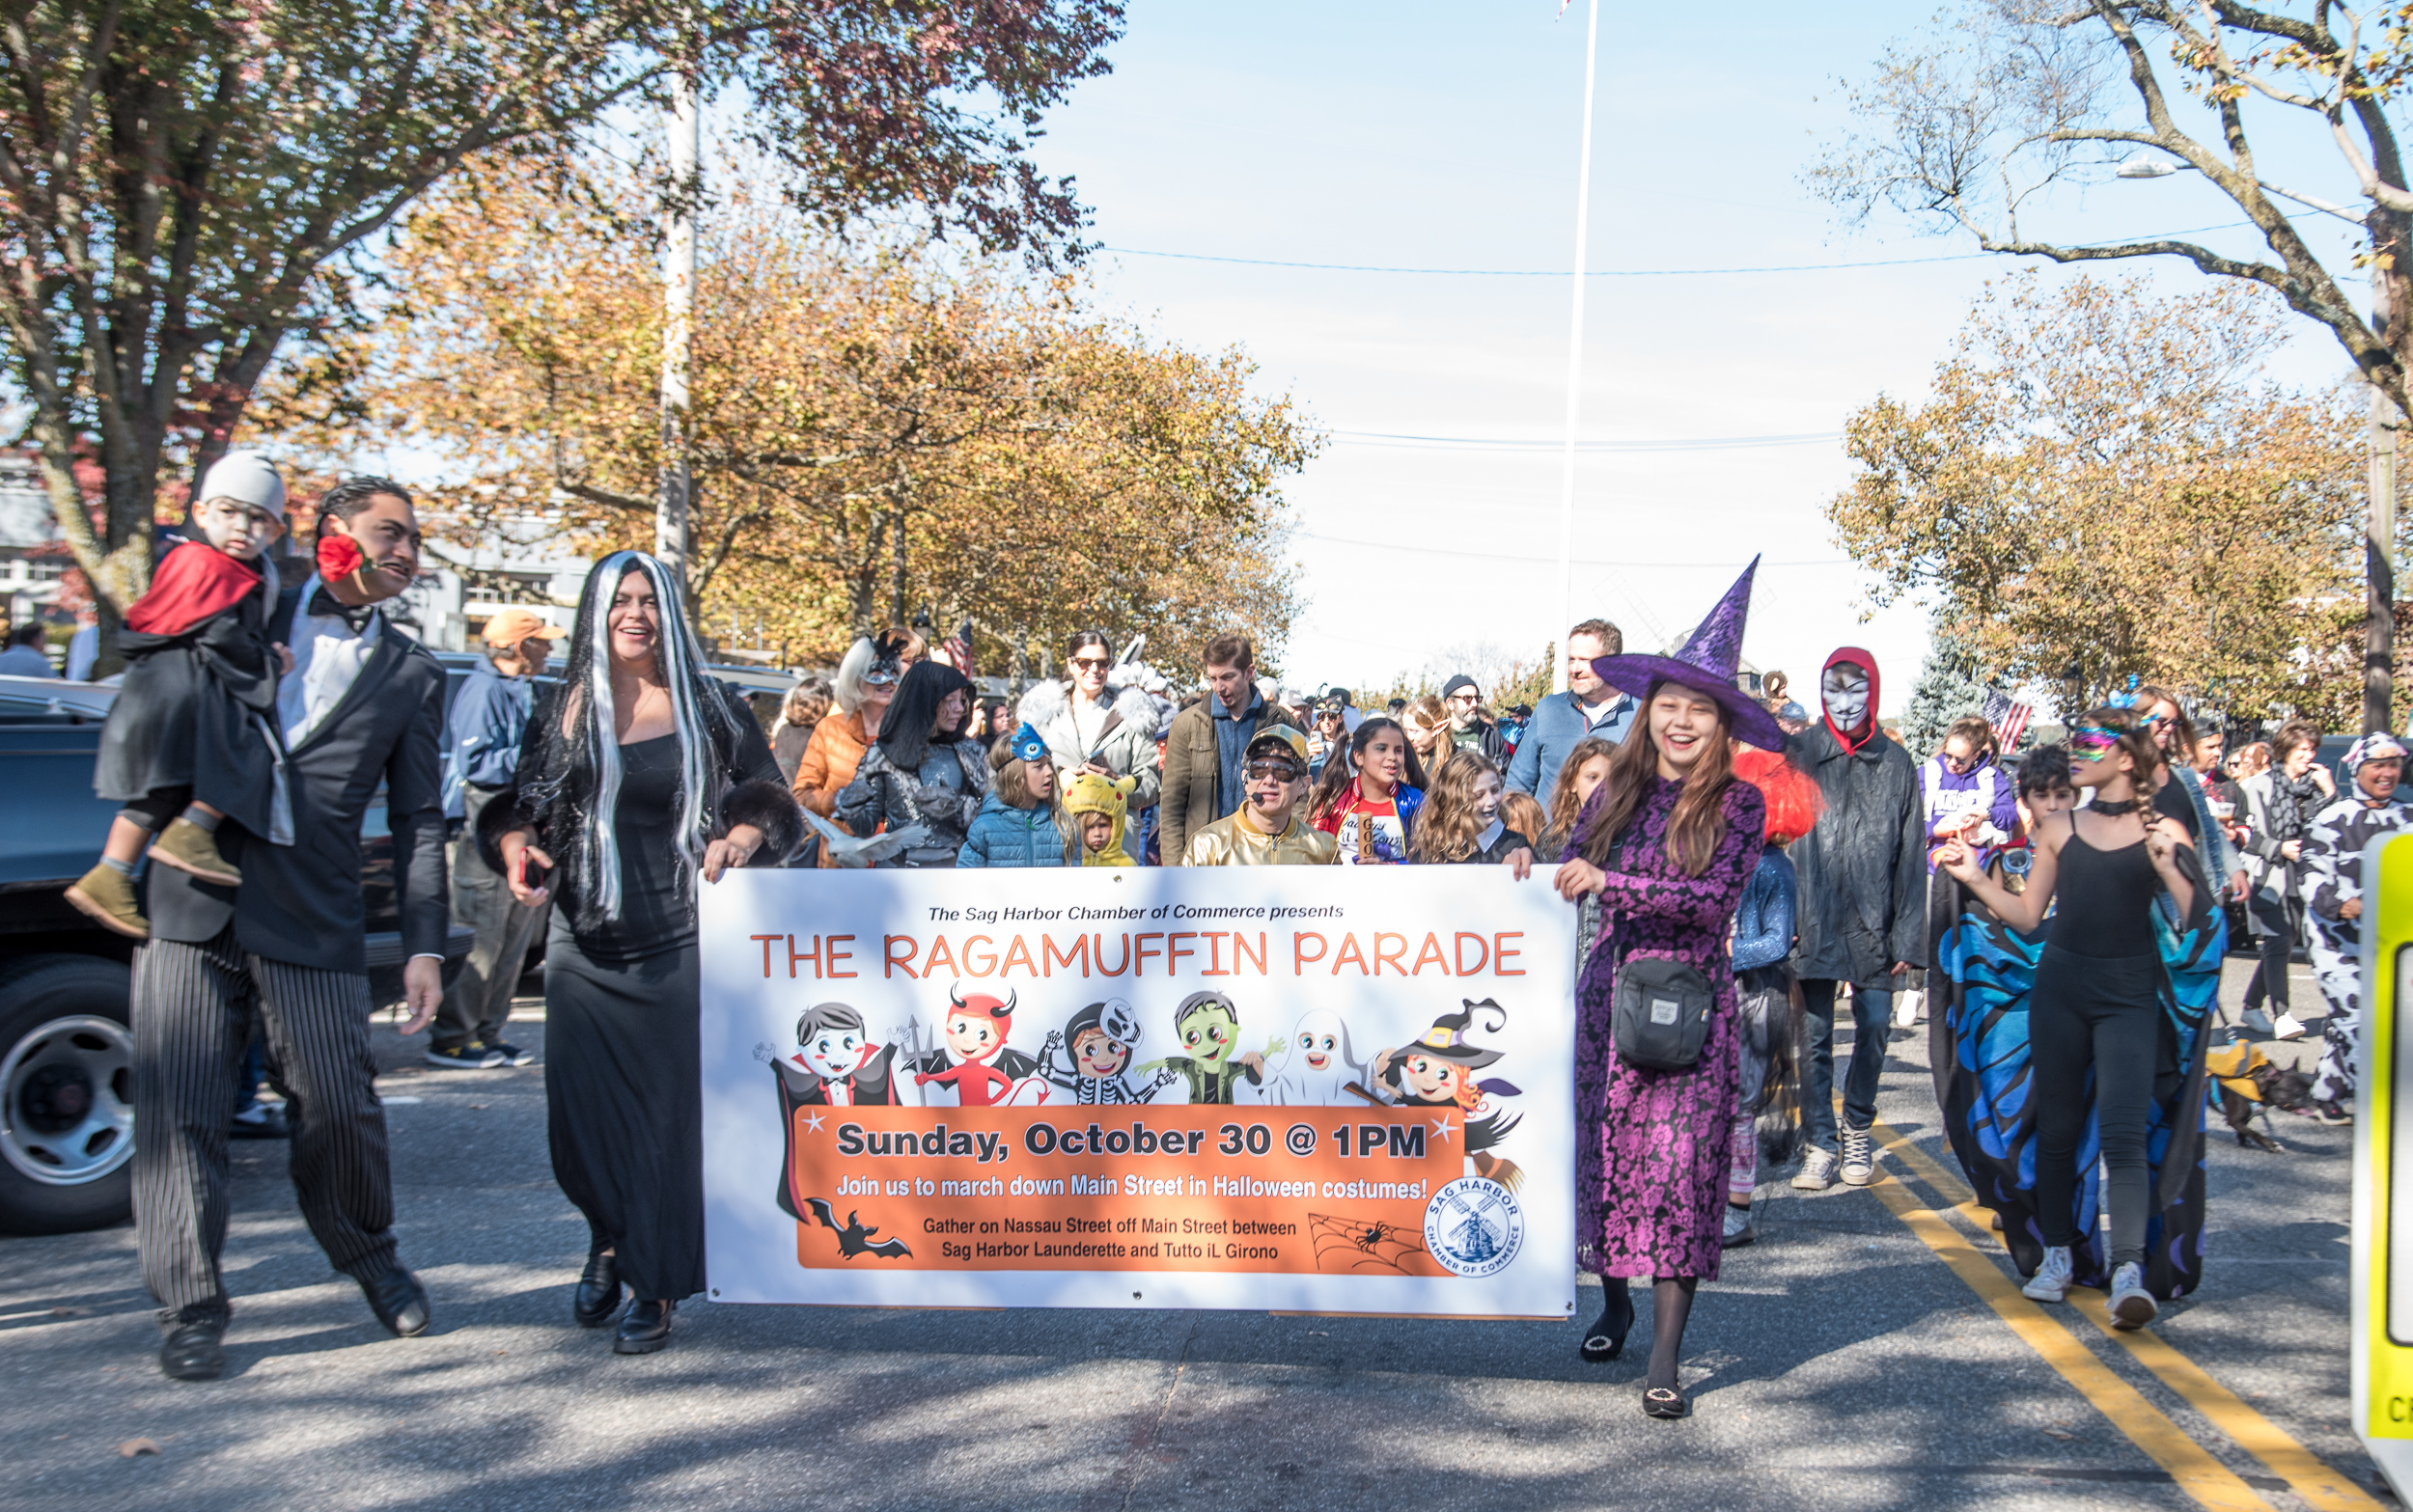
(1671, 1306)
(2270, 982)
(2104, 1017)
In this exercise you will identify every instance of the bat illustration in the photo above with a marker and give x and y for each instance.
(854, 1239)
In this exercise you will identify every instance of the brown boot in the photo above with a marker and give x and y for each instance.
(108, 894)
(188, 847)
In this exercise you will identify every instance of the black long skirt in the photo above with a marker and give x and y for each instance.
(625, 1107)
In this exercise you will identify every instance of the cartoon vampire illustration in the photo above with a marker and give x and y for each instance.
(974, 1063)
(854, 1239)
(1438, 1071)
(1099, 1039)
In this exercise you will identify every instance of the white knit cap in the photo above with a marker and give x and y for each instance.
(246, 477)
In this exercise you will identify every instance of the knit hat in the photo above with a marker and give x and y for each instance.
(1705, 662)
(246, 477)
(1461, 681)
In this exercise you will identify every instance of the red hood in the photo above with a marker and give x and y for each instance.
(1866, 663)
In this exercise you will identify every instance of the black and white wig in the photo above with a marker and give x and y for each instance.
(574, 791)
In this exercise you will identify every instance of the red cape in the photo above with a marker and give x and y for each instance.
(194, 581)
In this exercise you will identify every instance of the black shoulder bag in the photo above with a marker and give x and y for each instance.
(1659, 1009)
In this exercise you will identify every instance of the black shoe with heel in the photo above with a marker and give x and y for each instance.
(600, 1293)
(644, 1329)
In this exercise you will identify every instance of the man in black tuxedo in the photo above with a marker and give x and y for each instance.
(362, 702)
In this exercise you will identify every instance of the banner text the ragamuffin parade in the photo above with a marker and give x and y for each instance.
(1330, 1091)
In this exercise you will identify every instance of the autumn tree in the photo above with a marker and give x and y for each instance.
(872, 428)
(2107, 482)
(186, 183)
(1975, 127)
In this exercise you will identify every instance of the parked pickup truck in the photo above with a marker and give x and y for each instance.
(67, 1106)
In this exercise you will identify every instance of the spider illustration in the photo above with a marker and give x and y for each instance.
(1358, 1244)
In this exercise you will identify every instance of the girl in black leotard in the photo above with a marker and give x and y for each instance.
(2096, 1002)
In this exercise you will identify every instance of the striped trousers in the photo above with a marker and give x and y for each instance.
(193, 1008)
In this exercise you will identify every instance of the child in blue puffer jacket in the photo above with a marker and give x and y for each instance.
(1021, 821)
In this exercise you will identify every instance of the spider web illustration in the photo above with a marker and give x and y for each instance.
(1360, 1245)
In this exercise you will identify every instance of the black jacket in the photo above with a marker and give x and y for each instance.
(1863, 865)
(301, 903)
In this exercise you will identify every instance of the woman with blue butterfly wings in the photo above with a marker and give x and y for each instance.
(2082, 1035)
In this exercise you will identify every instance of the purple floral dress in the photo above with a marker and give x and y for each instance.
(1652, 1146)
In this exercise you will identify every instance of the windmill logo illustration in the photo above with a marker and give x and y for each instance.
(1474, 1226)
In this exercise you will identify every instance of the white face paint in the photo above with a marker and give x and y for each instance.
(1845, 689)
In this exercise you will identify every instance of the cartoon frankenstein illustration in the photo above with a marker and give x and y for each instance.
(1209, 1028)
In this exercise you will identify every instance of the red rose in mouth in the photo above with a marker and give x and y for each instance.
(338, 557)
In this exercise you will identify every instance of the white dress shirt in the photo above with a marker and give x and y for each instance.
(328, 660)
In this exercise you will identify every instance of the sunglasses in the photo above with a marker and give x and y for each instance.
(1279, 771)
(2090, 742)
(1092, 663)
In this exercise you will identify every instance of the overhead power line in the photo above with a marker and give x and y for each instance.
(1647, 272)
(1389, 438)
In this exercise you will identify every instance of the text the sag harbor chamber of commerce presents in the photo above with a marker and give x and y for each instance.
(1310, 1089)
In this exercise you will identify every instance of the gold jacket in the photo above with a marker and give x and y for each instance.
(1235, 842)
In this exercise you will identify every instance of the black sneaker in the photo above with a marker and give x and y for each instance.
(465, 1058)
(512, 1055)
(2331, 1112)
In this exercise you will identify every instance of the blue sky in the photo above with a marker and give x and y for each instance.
(1444, 135)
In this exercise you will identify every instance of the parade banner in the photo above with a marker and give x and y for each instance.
(1317, 1089)
(2381, 1288)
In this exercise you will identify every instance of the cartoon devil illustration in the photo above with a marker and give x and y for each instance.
(974, 1063)
(1438, 1071)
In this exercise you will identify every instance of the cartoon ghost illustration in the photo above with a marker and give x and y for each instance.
(1320, 1063)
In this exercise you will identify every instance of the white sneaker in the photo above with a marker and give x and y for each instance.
(2051, 1280)
(2289, 1028)
(1910, 1008)
(1738, 1228)
(1817, 1170)
(2132, 1307)
(1859, 1157)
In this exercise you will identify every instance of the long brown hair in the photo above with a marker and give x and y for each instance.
(1447, 827)
(1340, 771)
(1565, 809)
(1008, 782)
(1696, 827)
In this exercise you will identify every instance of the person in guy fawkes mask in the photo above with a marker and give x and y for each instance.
(1863, 880)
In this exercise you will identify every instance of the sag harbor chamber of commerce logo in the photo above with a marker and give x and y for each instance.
(1474, 1226)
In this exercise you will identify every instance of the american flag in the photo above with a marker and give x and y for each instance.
(2008, 719)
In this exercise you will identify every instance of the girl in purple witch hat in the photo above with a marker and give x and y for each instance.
(1667, 842)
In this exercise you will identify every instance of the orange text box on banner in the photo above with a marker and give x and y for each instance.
(1301, 1191)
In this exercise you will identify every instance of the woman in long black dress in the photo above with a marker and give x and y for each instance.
(638, 777)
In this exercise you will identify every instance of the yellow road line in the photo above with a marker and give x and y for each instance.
(2305, 1472)
(2209, 1482)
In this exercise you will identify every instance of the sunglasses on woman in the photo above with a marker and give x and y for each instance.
(1092, 663)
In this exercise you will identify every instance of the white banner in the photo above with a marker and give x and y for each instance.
(1301, 1088)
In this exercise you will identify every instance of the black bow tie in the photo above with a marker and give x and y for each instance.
(324, 605)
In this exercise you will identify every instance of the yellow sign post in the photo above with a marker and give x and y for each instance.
(2383, 1169)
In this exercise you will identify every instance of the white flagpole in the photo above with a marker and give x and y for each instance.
(1575, 352)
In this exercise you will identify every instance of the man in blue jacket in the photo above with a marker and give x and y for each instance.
(1589, 708)
(481, 750)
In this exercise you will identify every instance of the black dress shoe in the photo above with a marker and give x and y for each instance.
(190, 1351)
(597, 1302)
(398, 1299)
(646, 1327)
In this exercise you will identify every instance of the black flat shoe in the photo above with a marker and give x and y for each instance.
(398, 1300)
(598, 1299)
(190, 1352)
(1606, 1339)
(1661, 1401)
(644, 1329)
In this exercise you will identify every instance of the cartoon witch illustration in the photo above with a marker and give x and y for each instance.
(1208, 1027)
(974, 1063)
(1438, 1071)
(1320, 1063)
(1100, 1040)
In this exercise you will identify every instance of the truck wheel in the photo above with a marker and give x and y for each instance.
(66, 1095)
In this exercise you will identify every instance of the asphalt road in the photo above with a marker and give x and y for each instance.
(1841, 1362)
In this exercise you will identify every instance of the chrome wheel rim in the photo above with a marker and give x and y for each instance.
(67, 1113)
